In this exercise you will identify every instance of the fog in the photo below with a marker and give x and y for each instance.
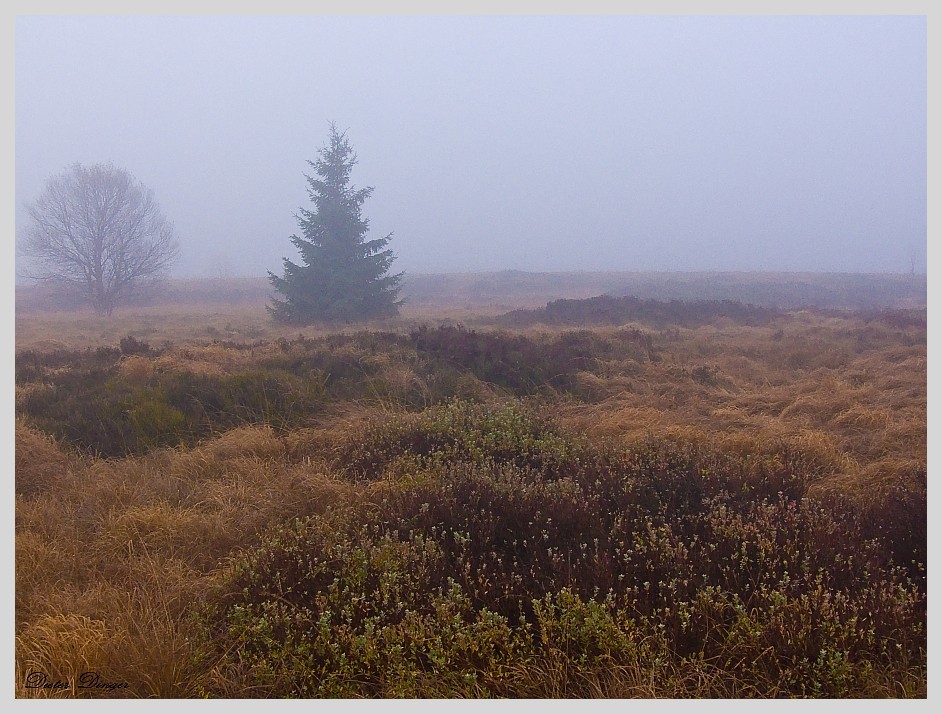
(532, 143)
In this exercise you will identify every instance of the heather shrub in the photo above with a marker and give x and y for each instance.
(611, 310)
(462, 431)
(369, 615)
(897, 514)
(526, 365)
(104, 412)
(514, 362)
(340, 362)
(45, 366)
(130, 345)
(490, 542)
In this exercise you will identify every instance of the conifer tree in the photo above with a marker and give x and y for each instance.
(342, 276)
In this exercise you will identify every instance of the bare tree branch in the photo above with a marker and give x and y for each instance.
(98, 229)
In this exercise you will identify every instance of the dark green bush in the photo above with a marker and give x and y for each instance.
(525, 365)
(101, 412)
(511, 361)
(130, 345)
(37, 366)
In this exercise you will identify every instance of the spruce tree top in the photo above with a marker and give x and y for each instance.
(342, 276)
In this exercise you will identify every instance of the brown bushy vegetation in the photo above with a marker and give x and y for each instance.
(609, 310)
(709, 505)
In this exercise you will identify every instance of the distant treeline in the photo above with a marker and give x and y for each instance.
(786, 291)
(514, 288)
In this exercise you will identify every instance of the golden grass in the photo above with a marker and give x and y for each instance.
(39, 462)
(861, 416)
(108, 560)
(154, 325)
(199, 326)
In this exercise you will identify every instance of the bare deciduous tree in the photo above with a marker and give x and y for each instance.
(99, 230)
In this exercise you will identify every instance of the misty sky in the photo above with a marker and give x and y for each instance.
(530, 143)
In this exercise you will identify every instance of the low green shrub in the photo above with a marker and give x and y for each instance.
(462, 431)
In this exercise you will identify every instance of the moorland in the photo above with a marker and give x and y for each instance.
(527, 485)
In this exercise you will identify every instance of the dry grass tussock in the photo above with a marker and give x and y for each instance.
(127, 632)
(109, 554)
(856, 406)
(39, 462)
(211, 359)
